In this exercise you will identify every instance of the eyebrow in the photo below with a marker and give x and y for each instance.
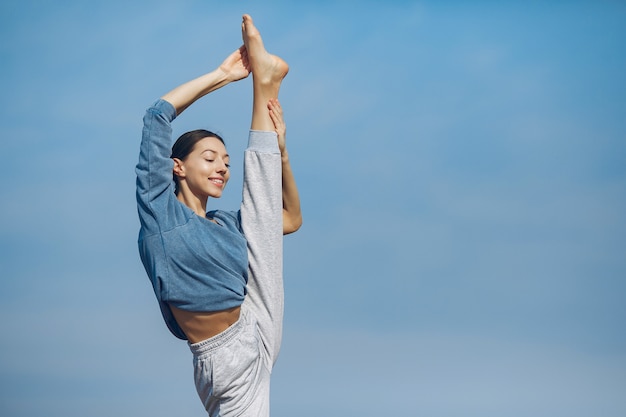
(211, 150)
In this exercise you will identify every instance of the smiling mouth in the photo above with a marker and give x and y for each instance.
(217, 181)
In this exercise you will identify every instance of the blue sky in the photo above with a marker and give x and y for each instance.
(462, 169)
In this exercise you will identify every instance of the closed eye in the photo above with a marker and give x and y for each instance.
(213, 160)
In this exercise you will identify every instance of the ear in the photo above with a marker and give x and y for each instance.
(179, 168)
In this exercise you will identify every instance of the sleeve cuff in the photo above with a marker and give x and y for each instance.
(263, 141)
(165, 108)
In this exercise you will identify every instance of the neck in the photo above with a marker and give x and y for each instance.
(193, 202)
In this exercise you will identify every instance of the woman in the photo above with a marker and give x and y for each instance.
(218, 275)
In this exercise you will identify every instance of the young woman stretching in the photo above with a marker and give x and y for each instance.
(218, 275)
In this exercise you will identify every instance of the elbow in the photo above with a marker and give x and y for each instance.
(292, 224)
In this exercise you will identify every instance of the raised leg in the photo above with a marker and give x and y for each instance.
(262, 206)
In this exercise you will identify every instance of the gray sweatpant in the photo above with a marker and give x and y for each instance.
(232, 370)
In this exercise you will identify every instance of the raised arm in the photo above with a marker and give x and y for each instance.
(292, 216)
(234, 68)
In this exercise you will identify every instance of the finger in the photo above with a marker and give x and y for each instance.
(275, 119)
(274, 105)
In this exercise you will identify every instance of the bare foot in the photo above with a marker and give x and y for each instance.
(266, 68)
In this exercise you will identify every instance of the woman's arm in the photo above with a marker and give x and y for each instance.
(234, 68)
(154, 168)
(292, 215)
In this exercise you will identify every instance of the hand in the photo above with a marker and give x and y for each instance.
(276, 114)
(292, 215)
(236, 66)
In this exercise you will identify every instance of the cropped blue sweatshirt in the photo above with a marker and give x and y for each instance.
(193, 263)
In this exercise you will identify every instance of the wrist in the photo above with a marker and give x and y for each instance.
(221, 76)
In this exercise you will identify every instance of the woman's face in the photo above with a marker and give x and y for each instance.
(205, 170)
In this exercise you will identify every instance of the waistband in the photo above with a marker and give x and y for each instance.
(219, 340)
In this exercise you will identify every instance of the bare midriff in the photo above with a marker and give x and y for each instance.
(199, 326)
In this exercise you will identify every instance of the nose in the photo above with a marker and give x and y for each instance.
(222, 168)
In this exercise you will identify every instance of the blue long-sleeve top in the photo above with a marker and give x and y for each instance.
(193, 263)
